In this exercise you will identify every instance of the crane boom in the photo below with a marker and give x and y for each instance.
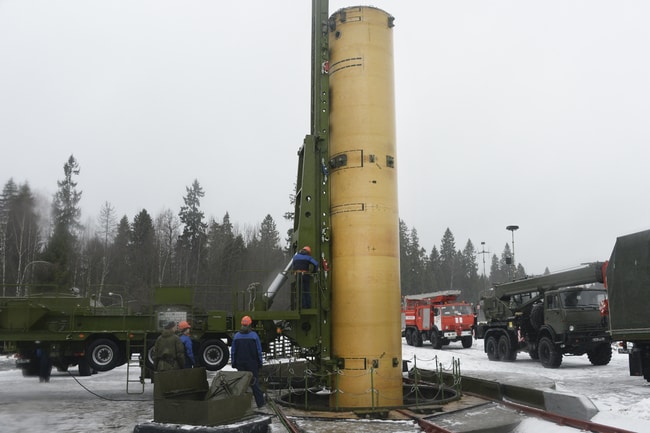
(591, 273)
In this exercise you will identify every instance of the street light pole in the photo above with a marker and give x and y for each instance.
(513, 228)
(483, 253)
(117, 294)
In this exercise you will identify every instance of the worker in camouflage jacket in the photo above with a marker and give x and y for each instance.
(168, 352)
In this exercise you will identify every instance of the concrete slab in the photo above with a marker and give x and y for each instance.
(490, 418)
(575, 406)
(255, 424)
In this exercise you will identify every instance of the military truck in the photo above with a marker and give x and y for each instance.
(547, 316)
(628, 286)
(79, 331)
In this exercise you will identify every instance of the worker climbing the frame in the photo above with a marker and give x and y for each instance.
(302, 262)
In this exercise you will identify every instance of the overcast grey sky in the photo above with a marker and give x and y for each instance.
(508, 112)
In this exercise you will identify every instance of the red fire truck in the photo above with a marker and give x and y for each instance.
(438, 317)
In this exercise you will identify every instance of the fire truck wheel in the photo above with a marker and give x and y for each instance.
(102, 354)
(417, 339)
(491, 348)
(549, 356)
(408, 335)
(436, 339)
(467, 342)
(213, 354)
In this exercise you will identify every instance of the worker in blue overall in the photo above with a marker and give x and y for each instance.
(246, 355)
(302, 262)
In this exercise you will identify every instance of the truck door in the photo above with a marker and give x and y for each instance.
(426, 318)
(437, 318)
(553, 315)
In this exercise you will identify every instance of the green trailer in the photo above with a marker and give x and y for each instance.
(628, 286)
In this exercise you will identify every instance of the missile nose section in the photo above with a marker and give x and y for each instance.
(366, 328)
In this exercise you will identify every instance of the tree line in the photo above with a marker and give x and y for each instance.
(449, 268)
(121, 260)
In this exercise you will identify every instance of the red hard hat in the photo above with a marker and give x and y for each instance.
(307, 248)
(183, 325)
(246, 321)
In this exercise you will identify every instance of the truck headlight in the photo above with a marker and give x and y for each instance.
(571, 328)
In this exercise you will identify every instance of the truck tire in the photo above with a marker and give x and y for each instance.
(537, 316)
(549, 356)
(601, 354)
(417, 339)
(467, 342)
(491, 348)
(103, 354)
(408, 335)
(148, 359)
(436, 339)
(505, 350)
(213, 354)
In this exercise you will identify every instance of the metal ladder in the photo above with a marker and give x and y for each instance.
(136, 354)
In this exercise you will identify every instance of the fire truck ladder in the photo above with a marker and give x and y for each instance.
(136, 354)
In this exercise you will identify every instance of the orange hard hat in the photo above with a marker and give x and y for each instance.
(184, 325)
(307, 248)
(246, 321)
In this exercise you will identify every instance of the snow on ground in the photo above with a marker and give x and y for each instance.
(100, 403)
(623, 401)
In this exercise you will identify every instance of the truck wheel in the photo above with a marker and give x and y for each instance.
(148, 359)
(491, 348)
(505, 350)
(601, 354)
(84, 367)
(103, 354)
(213, 354)
(408, 334)
(537, 316)
(467, 342)
(436, 340)
(417, 339)
(549, 356)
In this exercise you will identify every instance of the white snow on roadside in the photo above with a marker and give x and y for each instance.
(99, 403)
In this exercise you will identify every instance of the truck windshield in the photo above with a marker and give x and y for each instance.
(582, 298)
(457, 310)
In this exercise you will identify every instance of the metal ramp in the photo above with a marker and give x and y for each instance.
(136, 353)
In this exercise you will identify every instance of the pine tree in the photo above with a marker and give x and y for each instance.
(194, 232)
(448, 258)
(120, 254)
(143, 255)
(62, 246)
(470, 286)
